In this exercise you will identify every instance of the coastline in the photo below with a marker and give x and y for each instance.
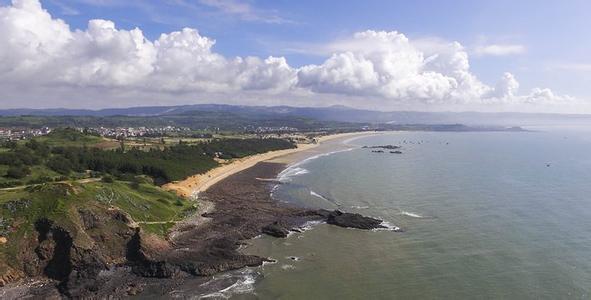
(235, 205)
(193, 185)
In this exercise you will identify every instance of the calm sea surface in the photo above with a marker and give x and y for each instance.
(490, 215)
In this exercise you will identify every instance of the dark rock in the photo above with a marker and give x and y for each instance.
(146, 261)
(75, 268)
(350, 220)
(275, 230)
(89, 219)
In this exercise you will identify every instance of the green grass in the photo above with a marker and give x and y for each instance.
(68, 137)
(20, 209)
(38, 171)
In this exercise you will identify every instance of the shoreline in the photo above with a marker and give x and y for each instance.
(192, 186)
(235, 206)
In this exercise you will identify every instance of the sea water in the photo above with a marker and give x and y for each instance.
(485, 215)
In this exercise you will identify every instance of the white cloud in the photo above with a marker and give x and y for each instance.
(43, 58)
(499, 50)
(41, 50)
(427, 71)
(507, 86)
(389, 65)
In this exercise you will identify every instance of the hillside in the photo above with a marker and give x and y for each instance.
(326, 115)
(68, 210)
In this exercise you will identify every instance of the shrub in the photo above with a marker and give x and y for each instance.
(135, 184)
(60, 165)
(18, 172)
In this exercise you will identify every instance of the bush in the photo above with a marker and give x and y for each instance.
(135, 184)
(42, 179)
(18, 172)
(108, 179)
(60, 165)
(12, 183)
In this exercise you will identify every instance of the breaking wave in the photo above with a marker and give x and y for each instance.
(410, 214)
(388, 227)
(296, 169)
(242, 282)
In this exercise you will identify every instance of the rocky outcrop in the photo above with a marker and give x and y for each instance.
(75, 268)
(10, 275)
(72, 252)
(350, 220)
(97, 239)
(276, 230)
(145, 254)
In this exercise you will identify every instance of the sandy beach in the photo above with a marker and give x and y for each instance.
(192, 186)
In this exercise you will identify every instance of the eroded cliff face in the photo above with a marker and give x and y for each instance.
(74, 255)
(81, 247)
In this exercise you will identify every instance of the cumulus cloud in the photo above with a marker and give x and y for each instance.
(388, 64)
(36, 47)
(391, 66)
(42, 57)
(507, 86)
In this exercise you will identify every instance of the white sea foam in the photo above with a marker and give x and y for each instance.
(318, 195)
(359, 207)
(332, 201)
(410, 214)
(287, 267)
(271, 261)
(309, 225)
(244, 284)
(296, 169)
(388, 227)
(290, 172)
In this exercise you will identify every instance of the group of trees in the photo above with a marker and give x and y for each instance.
(163, 165)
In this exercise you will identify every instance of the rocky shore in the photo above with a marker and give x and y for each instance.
(152, 266)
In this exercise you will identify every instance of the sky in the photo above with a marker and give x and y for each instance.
(500, 55)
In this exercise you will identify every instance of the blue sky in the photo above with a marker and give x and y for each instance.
(542, 43)
(556, 34)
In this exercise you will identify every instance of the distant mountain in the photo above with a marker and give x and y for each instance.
(332, 113)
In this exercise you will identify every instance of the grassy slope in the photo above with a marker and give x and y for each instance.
(36, 173)
(69, 137)
(20, 209)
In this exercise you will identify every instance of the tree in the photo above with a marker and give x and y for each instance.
(60, 165)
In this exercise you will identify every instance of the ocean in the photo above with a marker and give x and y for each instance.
(494, 215)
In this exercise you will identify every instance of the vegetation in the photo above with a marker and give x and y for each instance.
(197, 120)
(154, 209)
(65, 137)
(65, 153)
(61, 179)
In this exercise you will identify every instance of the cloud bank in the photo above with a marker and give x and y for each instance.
(42, 57)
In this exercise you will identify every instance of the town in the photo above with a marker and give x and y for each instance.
(120, 133)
